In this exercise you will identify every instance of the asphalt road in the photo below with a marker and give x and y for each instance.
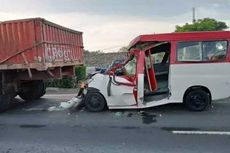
(30, 128)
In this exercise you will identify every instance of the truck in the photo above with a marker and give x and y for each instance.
(31, 51)
(190, 68)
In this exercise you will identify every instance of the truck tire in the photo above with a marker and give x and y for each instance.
(32, 90)
(94, 101)
(7, 96)
(197, 100)
(5, 102)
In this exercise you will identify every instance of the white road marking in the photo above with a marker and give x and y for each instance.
(202, 132)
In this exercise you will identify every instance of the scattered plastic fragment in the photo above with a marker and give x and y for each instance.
(118, 114)
(129, 114)
(74, 102)
(147, 117)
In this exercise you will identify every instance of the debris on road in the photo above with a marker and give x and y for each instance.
(118, 114)
(148, 118)
(73, 103)
(129, 114)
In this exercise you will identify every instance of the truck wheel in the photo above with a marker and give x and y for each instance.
(197, 100)
(32, 90)
(5, 102)
(95, 102)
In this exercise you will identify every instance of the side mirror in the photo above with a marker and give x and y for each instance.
(115, 81)
(119, 71)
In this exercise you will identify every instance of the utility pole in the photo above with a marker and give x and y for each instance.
(193, 15)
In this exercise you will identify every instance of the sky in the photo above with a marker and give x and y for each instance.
(108, 25)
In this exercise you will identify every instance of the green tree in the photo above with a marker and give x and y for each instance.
(206, 24)
(123, 49)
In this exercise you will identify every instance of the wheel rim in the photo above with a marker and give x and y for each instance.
(198, 100)
(95, 101)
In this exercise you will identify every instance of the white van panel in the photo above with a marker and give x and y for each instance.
(214, 76)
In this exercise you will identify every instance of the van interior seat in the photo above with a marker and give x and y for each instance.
(161, 74)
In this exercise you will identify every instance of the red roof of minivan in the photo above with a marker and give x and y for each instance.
(181, 36)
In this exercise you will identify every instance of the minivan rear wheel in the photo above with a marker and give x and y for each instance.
(197, 100)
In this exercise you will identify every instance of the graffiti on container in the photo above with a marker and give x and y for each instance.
(58, 53)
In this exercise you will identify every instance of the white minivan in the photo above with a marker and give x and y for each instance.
(190, 68)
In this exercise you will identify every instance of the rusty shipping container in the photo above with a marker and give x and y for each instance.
(38, 44)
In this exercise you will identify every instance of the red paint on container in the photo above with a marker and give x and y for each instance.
(38, 44)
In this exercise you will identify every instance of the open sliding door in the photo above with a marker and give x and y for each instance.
(150, 72)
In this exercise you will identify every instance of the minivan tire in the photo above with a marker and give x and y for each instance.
(94, 101)
(197, 100)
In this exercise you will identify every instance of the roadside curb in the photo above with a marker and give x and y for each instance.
(51, 90)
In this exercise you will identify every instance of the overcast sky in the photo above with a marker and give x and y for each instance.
(110, 24)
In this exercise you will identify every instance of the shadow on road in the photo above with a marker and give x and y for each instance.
(18, 104)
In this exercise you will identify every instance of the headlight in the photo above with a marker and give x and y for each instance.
(83, 85)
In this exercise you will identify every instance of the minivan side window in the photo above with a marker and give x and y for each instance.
(202, 51)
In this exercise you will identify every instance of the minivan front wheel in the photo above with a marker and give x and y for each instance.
(197, 100)
(94, 101)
